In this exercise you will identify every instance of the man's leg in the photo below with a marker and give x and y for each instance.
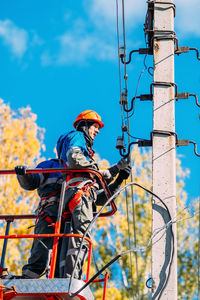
(81, 218)
(39, 257)
(63, 250)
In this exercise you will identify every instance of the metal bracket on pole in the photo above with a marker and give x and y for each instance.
(186, 49)
(186, 143)
(164, 2)
(186, 96)
(148, 26)
(164, 132)
(163, 35)
(140, 51)
(148, 143)
(160, 83)
(140, 143)
(149, 21)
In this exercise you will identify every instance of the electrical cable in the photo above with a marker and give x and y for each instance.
(133, 214)
(138, 82)
(136, 138)
(96, 216)
(128, 126)
(119, 65)
(132, 197)
(129, 236)
(149, 68)
(135, 97)
(130, 56)
(125, 155)
(146, 283)
(132, 104)
(124, 40)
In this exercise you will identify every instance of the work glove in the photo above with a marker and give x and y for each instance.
(20, 170)
(125, 173)
(123, 163)
(106, 174)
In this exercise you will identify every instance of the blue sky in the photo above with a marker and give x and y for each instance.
(60, 57)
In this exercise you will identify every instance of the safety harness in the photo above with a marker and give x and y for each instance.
(83, 188)
(45, 202)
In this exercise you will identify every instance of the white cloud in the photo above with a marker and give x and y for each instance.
(95, 36)
(81, 43)
(81, 48)
(78, 46)
(35, 40)
(14, 37)
(187, 19)
(103, 13)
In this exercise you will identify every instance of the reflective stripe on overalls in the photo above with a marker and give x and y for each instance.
(83, 189)
(44, 202)
(82, 184)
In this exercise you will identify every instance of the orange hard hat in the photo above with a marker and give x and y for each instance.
(89, 115)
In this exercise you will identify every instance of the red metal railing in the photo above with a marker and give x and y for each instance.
(53, 235)
(71, 171)
(57, 233)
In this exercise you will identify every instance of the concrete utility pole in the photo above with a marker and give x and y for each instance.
(164, 252)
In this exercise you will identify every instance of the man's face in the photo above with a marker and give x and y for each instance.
(93, 130)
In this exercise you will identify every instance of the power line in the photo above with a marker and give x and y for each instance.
(146, 245)
(119, 65)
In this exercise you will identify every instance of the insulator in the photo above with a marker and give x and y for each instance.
(121, 52)
(120, 143)
(123, 99)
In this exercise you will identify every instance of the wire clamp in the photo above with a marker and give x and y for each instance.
(121, 52)
(123, 98)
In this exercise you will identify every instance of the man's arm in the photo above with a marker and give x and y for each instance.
(77, 160)
(113, 187)
(28, 181)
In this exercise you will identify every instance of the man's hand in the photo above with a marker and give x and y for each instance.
(106, 174)
(123, 163)
(20, 170)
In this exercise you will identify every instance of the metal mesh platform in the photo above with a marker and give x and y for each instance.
(35, 289)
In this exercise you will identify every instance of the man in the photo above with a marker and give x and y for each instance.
(75, 151)
(75, 148)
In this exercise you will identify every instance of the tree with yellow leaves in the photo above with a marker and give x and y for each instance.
(21, 144)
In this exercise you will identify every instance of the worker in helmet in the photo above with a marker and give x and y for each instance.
(75, 151)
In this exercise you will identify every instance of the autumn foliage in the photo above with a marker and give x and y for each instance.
(21, 144)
